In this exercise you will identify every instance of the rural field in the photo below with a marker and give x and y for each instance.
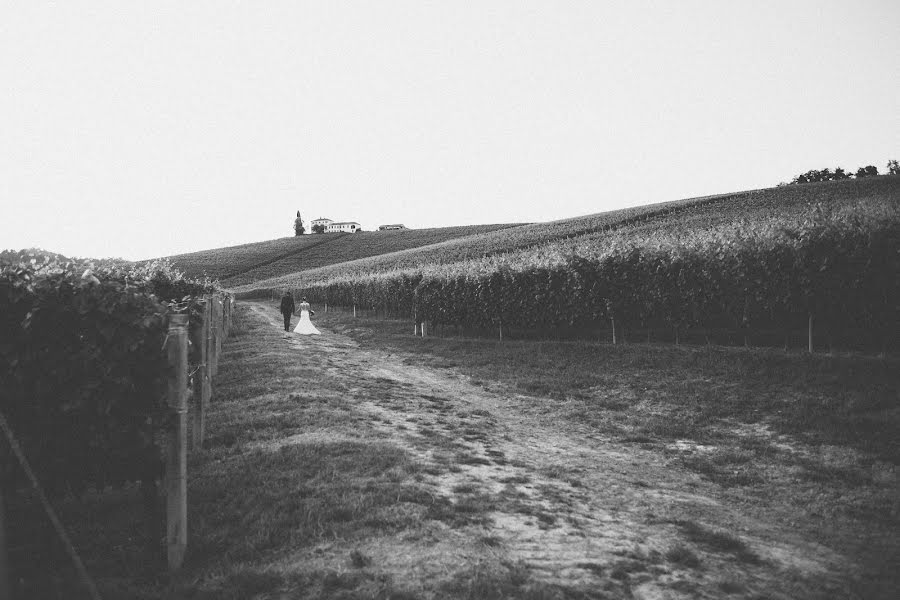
(368, 463)
(601, 303)
(238, 265)
(690, 400)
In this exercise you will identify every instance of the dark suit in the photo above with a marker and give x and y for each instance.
(287, 309)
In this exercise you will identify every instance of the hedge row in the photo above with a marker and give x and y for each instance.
(82, 368)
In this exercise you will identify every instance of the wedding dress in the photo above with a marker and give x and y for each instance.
(305, 326)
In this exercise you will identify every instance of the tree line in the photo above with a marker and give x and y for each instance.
(838, 173)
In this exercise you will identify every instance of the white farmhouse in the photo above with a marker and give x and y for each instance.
(330, 226)
(348, 227)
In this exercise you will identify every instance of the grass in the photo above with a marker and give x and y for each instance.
(682, 555)
(253, 499)
(718, 541)
(810, 437)
(299, 493)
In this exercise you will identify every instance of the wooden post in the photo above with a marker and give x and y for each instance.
(226, 307)
(5, 589)
(612, 320)
(810, 333)
(231, 303)
(200, 385)
(220, 328)
(354, 311)
(210, 335)
(326, 308)
(501, 330)
(176, 455)
(214, 341)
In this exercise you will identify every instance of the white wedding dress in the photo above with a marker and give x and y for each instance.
(305, 326)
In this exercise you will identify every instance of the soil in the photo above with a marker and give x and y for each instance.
(580, 511)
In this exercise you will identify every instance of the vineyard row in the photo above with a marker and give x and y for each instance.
(840, 268)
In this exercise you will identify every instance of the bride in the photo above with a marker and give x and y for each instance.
(305, 326)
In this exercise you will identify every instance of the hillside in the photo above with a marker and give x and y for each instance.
(348, 247)
(693, 214)
(221, 263)
(245, 263)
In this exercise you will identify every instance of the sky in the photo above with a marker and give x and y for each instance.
(144, 129)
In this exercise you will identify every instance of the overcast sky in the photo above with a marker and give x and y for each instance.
(140, 129)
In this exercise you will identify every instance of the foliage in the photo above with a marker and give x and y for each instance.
(82, 367)
(318, 228)
(221, 263)
(685, 216)
(298, 225)
(868, 171)
(893, 167)
(841, 264)
(815, 175)
(336, 248)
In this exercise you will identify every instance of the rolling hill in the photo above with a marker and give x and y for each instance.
(687, 215)
(236, 265)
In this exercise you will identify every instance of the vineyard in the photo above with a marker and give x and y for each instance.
(95, 373)
(831, 268)
(222, 263)
(680, 215)
(347, 247)
(237, 265)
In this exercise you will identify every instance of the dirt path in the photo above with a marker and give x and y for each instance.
(577, 510)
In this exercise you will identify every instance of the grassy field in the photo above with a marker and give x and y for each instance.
(368, 463)
(808, 442)
(680, 215)
(358, 246)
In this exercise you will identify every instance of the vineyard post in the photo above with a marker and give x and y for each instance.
(200, 385)
(4, 558)
(810, 329)
(211, 338)
(326, 308)
(176, 456)
(220, 327)
(227, 320)
(354, 310)
(612, 320)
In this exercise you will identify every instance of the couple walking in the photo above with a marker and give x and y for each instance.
(305, 326)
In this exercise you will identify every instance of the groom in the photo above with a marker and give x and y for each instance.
(287, 309)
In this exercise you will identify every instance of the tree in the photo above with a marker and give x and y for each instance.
(839, 174)
(299, 229)
(868, 171)
(893, 168)
(318, 228)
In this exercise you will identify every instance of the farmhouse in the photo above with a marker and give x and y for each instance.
(349, 227)
(332, 227)
(391, 227)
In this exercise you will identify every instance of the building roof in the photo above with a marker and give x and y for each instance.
(346, 223)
